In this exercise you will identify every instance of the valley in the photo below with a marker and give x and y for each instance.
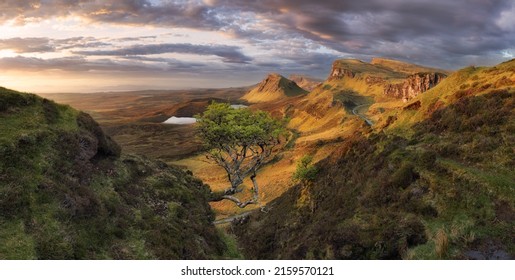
(407, 156)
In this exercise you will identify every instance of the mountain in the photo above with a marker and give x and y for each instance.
(397, 79)
(274, 87)
(67, 192)
(431, 179)
(305, 82)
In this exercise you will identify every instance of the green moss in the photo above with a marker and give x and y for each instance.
(15, 243)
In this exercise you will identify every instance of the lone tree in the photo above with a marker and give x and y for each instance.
(240, 141)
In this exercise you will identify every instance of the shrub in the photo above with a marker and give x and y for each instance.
(305, 171)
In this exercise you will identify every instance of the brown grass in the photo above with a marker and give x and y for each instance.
(441, 243)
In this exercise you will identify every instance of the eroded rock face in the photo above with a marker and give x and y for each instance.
(413, 85)
(338, 73)
(371, 80)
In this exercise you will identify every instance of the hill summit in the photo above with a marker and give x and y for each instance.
(273, 87)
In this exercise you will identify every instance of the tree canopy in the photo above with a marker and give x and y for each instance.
(240, 141)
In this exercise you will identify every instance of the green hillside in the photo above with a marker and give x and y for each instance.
(432, 180)
(66, 192)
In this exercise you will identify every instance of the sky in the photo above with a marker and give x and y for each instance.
(93, 45)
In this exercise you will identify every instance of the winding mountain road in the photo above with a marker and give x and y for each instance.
(355, 111)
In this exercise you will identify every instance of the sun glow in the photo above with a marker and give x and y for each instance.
(7, 53)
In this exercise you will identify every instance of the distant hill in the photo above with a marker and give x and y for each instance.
(67, 192)
(305, 82)
(274, 87)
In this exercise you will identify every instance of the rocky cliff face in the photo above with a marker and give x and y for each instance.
(413, 85)
(338, 73)
(275, 82)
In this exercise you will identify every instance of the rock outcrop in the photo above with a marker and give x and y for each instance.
(273, 87)
(413, 85)
(338, 72)
(372, 80)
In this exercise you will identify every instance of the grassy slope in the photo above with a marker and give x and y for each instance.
(437, 183)
(404, 67)
(65, 193)
(466, 82)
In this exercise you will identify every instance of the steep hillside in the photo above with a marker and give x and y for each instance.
(433, 179)
(67, 193)
(274, 87)
(470, 81)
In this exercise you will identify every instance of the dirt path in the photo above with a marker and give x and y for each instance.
(232, 218)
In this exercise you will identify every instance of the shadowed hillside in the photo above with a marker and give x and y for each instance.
(66, 192)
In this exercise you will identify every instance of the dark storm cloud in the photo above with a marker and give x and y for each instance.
(435, 32)
(144, 12)
(228, 54)
(415, 29)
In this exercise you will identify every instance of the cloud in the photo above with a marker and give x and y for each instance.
(48, 45)
(73, 64)
(145, 66)
(442, 33)
(422, 29)
(27, 45)
(143, 12)
(228, 54)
